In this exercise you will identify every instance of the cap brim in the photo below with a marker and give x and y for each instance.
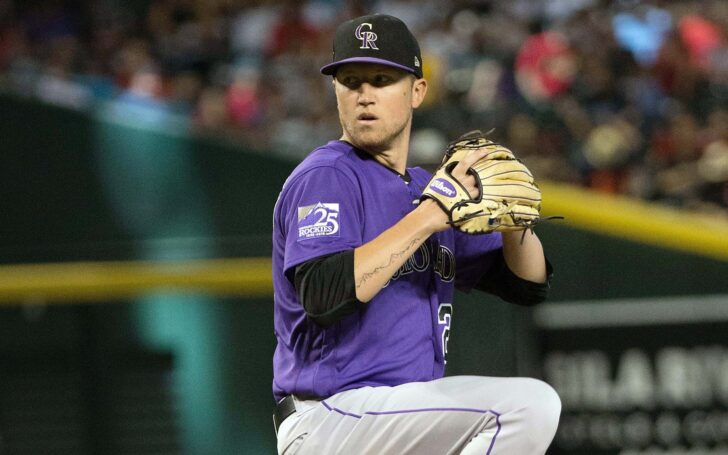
(331, 68)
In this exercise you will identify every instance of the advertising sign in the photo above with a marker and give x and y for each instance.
(647, 376)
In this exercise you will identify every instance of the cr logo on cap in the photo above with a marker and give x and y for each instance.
(367, 38)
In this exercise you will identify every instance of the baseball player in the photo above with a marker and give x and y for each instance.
(365, 268)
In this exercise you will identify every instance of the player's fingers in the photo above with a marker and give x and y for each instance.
(470, 186)
(467, 161)
(474, 156)
(467, 180)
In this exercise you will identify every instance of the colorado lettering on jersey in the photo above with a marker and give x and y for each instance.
(318, 220)
(444, 263)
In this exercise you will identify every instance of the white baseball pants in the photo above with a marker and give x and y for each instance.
(454, 415)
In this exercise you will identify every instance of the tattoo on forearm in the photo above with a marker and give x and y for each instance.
(392, 258)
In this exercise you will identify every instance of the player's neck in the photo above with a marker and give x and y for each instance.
(393, 157)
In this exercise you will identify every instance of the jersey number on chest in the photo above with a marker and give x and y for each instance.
(444, 317)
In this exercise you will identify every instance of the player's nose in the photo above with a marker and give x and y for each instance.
(366, 94)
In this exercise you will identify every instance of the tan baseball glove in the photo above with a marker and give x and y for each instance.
(508, 198)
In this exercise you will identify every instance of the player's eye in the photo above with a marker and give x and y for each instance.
(350, 82)
(381, 80)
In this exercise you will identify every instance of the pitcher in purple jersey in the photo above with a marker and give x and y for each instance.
(364, 278)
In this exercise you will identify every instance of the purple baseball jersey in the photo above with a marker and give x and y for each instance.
(337, 199)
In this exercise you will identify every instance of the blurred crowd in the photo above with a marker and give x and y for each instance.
(626, 97)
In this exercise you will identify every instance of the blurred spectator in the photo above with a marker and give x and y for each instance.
(291, 33)
(243, 101)
(211, 113)
(545, 66)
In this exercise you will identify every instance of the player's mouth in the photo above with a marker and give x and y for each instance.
(366, 118)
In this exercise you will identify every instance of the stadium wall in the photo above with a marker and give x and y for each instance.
(113, 220)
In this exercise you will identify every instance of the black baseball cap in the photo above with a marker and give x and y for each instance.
(376, 38)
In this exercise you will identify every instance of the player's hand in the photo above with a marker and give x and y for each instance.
(436, 216)
(460, 171)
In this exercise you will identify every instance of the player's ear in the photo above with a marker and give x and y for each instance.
(419, 90)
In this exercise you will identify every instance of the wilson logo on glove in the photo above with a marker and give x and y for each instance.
(443, 187)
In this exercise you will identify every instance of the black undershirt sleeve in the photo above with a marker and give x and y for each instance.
(325, 287)
(502, 282)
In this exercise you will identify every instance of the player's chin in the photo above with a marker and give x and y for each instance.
(364, 130)
(372, 145)
(368, 139)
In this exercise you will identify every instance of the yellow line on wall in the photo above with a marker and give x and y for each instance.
(637, 220)
(76, 282)
(103, 281)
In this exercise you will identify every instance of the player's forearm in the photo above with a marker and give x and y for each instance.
(376, 261)
(525, 258)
